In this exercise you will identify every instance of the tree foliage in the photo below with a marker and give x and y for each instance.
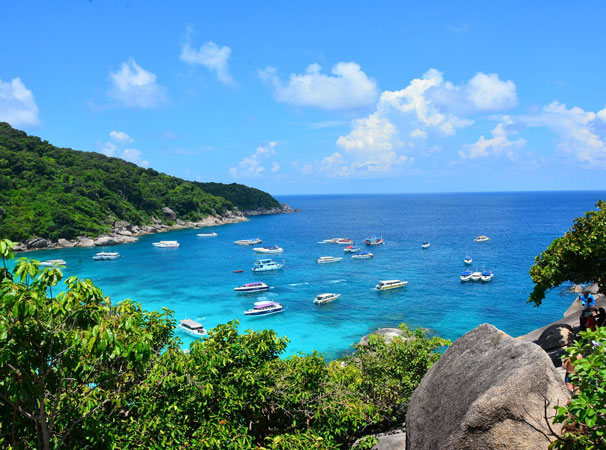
(63, 193)
(77, 371)
(579, 256)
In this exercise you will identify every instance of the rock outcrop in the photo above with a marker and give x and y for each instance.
(169, 213)
(489, 390)
(388, 334)
(282, 209)
(36, 243)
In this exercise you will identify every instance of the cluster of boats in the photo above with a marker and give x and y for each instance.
(483, 276)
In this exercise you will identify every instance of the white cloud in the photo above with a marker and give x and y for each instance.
(347, 88)
(582, 133)
(252, 166)
(488, 93)
(135, 87)
(499, 144)
(131, 154)
(275, 167)
(120, 136)
(17, 104)
(210, 55)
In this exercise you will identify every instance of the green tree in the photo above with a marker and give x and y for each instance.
(579, 256)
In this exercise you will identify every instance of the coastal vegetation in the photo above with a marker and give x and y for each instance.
(80, 371)
(56, 192)
(579, 256)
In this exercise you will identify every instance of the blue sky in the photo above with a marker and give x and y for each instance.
(318, 97)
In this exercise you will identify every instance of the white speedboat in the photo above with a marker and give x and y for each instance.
(344, 241)
(207, 234)
(476, 276)
(352, 249)
(326, 298)
(53, 262)
(166, 244)
(467, 260)
(248, 241)
(390, 284)
(264, 308)
(363, 255)
(270, 249)
(487, 275)
(466, 275)
(102, 256)
(252, 287)
(265, 265)
(328, 259)
(481, 238)
(330, 241)
(425, 244)
(192, 328)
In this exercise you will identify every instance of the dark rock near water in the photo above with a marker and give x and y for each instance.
(169, 213)
(556, 336)
(37, 242)
(488, 390)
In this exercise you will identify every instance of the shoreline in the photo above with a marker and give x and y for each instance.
(123, 232)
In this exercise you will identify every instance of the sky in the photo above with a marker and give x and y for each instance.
(319, 97)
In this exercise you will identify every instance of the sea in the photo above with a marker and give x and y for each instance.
(197, 280)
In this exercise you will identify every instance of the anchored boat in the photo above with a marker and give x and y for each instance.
(166, 244)
(270, 249)
(252, 287)
(363, 255)
(264, 308)
(248, 241)
(328, 259)
(390, 284)
(102, 256)
(374, 241)
(265, 265)
(326, 298)
(192, 328)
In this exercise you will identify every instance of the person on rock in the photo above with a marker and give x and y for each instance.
(587, 301)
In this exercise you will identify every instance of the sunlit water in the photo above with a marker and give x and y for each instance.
(196, 280)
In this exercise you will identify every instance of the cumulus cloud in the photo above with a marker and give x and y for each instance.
(135, 87)
(209, 55)
(17, 104)
(406, 118)
(347, 88)
(252, 166)
(115, 147)
(120, 136)
(499, 144)
(581, 133)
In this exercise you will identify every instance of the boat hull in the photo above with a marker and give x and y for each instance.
(254, 313)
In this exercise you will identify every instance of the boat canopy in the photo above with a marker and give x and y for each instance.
(191, 324)
(264, 304)
(487, 273)
(466, 272)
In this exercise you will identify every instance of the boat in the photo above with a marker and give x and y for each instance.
(374, 241)
(270, 249)
(476, 276)
(466, 275)
(264, 308)
(102, 256)
(363, 255)
(252, 287)
(237, 271)
(344, 241)
(207, 234)
(487, 275)
(481, 238)
(352, 249)
(390, 284)
(425, 244)
(330, 241)
(328, 259)
(265, 265)
(53, 262)
(166, 244)
(467, 260)
(248, 241)
(326, 298)
(192, 328)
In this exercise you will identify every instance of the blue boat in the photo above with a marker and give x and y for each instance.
(487, 275)
(466, 275)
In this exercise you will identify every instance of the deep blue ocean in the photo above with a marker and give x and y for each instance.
(197, 279)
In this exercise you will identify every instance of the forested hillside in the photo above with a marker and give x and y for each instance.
(244, 197)
(63, 193)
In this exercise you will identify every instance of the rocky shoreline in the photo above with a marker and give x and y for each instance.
(123, 232)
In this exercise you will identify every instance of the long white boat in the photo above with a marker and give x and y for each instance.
(252, 287)
(102, 256)
(363, 255)
(192, 328)
(330, 241)
(326, 298)
(328, 259)
(52, 262)
(265, 265)
(270, 249)
(344, 241)
(481, 238)
(166, 244)
(390, 284)
(207, 234)
(264, 308)
(248, 241)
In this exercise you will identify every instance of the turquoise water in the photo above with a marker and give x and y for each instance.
(197, 279)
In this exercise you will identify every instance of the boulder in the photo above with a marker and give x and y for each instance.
(488, 390)
(556, 336)
(125, 233)
(121, 224)
(20, 247)
(65, 243)
(180, 222)
(85, 242)
(106, 240)
(135, 229)
(387, 333)
(396, 441)
(169, 213)
(37, 242)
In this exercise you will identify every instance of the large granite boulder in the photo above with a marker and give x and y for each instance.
(37, 243)
(388, 334)
(487, 391)
(65, 243)
(106, 240)
(558, 335)
(169, 213)
(84, 241)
